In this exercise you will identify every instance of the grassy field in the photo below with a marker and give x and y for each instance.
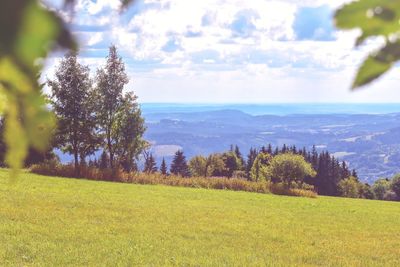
(47, 221)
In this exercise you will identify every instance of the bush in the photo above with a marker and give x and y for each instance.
(390, 196)
(234, 184)
(395, 185)
(350, 187)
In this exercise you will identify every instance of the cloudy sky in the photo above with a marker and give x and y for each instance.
(228, 51)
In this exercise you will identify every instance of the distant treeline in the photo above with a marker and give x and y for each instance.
(319, 169)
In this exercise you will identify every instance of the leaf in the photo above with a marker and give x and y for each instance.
(369, 71)
(373, 17)
(377, 64)
(28, 122)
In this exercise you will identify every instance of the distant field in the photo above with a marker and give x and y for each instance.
(47, 221)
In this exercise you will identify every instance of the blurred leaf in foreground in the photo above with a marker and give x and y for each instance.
(375, 18)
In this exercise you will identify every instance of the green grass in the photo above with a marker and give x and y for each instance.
(46, 221)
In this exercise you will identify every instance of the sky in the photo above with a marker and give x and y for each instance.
(227, 51)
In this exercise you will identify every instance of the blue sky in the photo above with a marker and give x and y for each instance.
(228, 51)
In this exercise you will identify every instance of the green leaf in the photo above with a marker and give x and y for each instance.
(377, 64)
(373, 17)
(369, 71)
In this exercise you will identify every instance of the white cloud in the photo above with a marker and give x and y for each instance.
(228, 51)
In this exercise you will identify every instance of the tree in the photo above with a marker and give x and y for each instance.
(104, 161)
(232, 163)
(110, 101)
(288, 168)
(350, 187)
(251, 157)
(72, 102)
(198, 166)
(150, 165)
(128, 133)
(179, 165)
(28, 31)
(395, 185)
(216, 165)
(163, 168)
(260, 169)
(240, 157)
(380, 187)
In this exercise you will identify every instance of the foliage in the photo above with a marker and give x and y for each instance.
(288, 168)
(179, 166)
(128, 133)
(163, 168)
(150, 165)
(232, 163)
(86, 223)
(28, 32)
(380, 187)
(395, 185)
(198, 167)
(72, 101)
(110, 101)
(216, 165)
(375, 18)
(350, 187)
(260, 170)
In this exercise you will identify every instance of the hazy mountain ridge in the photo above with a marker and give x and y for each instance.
(367, 142)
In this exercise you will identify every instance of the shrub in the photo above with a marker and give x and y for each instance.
(395, 185)
(288, 168)
(350, 187)
(380, 187)
(390, 196)
(220, 183)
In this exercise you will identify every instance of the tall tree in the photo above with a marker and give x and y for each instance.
(240, 157)
(198, 166)
(72, 101)
(163, 167)
(110, 84)
(251, 157)
(179, 165)
(150, 165)
(128, 133)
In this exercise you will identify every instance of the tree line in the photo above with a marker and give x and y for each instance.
(286, 164)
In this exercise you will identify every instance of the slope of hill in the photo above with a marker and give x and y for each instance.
(57, 222)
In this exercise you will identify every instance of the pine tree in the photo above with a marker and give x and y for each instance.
(269, 149)
(251, 157)
(163, 168)
(179, 165)
(240, 157)
(150, 165)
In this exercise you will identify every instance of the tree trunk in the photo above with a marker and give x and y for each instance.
(76, 163)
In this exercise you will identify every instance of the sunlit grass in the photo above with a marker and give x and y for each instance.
(54, 221)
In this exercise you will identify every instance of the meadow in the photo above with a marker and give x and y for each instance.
(49, 221)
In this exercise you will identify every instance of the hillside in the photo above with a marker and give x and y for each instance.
(54, 221)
